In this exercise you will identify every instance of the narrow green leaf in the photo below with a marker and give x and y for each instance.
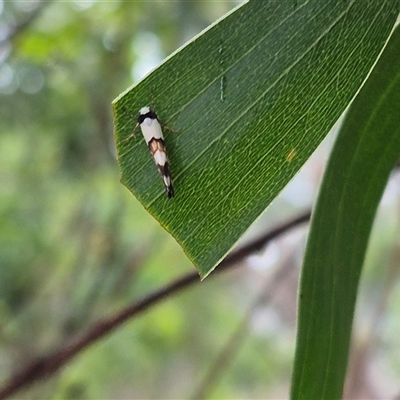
(251, 99)
(365, 152)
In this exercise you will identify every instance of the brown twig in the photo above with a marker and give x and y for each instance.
(46, 366)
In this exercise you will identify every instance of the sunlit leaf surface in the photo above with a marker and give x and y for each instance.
(251, 98)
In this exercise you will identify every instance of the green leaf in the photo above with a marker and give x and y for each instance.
(251, 98)
(365, 152)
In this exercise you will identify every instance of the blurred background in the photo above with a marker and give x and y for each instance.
(76, 246)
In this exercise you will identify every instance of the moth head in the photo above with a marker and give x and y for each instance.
(144, 110)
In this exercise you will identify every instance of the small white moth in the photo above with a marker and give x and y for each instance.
(151, 129)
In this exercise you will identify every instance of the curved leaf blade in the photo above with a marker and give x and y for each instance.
(251, 99)
(364, 155)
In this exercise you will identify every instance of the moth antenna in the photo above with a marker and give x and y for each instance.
(132, 135)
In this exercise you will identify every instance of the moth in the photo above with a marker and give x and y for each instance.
(151, 128)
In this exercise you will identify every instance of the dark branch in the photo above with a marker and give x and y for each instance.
(46, 366)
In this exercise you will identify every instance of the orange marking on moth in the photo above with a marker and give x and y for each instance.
(291, 155)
